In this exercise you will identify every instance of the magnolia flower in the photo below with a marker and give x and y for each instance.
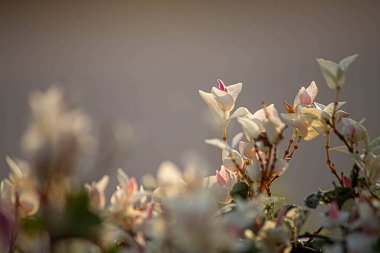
(129, 203)
(247, 150)
(96, 192)
(222, 99)
(335, 217)
(272, 238)
(56, 135)
(352, 130)
(222, 176)
(265, 120)
(305, 97)
(303, 124)
(19, 191)
(232, 160)
(327, 112)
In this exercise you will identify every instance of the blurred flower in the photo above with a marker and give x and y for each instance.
(265, 120)
(56, 134)
(96, 192)
(352, 130)
(222, 99)
(18, 193)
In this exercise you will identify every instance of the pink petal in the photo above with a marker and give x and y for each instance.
(149, 210)
(222, 176)
(347, 181)
(304, 97)
(312, 91)
(333, 212)
(222, 87)
(280, 216)
(132, 186)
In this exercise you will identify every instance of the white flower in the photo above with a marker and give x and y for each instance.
(265, 120)
(352, 130)
(306, 96)
(20, 190)
(96, 192)
(222, 99)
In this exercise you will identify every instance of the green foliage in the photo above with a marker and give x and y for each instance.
(32, 225)
(312, 201)
(75, 220)
(240, 189)
(338, 194)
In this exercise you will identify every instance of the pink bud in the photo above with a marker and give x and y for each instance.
(333, 212)
(149, 210)
(280, 215)
(131, 186)
(222, 87)
(347, 182)
(222, 176)
(304, 97)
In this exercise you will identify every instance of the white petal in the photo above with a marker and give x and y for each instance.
(210, 100)
(224, 99)
(312, 90)
(168, 173)
(235, 90)
(250, 128)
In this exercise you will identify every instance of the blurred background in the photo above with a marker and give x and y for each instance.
(135, 67)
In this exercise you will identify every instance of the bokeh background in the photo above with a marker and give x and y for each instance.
(137, 66)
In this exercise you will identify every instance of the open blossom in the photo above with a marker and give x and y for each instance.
(56, 135)
(302, 123)
(20, 189)
(264, 121)
(222, 99)
(305, 97)
(96, 192)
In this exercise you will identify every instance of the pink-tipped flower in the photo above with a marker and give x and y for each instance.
(347, 182)
(222, 87)
(222, 99)
(222, 176)
(131, 186)
(306, 96)
(333, 212)
(352, 130)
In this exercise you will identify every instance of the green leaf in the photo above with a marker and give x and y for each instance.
(374, 145)
(32, 225)
(218, 143)
(342, 149)
(329, 71)
(312, 201)
(240, 189)
(346, 62)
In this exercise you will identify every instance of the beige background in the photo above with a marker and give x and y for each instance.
(144, 61)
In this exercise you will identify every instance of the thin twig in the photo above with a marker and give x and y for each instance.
(286, 153)
(328, 160)
(294, 148)
(313, 236)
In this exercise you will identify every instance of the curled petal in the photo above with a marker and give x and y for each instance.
(225, 100)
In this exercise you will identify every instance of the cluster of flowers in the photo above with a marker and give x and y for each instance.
(43, 207)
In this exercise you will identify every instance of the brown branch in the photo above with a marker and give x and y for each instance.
(287, 151)
(288, 158)
(328, 160)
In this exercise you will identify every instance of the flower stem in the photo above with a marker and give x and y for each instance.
(287, 151)
(329, 162)
(295, 147)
